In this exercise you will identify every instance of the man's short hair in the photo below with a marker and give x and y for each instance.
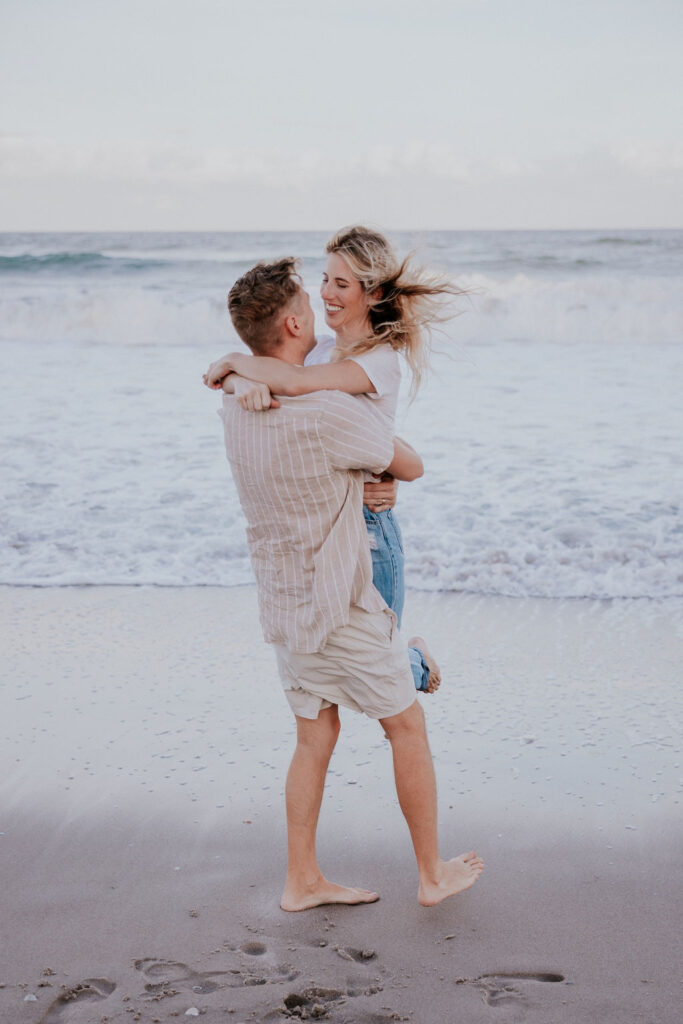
(258, 301)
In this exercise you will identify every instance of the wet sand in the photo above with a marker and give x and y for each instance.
(145, 741)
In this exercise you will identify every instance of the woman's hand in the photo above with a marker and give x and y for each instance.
(216, 372)
(381, 496)
(253, 397)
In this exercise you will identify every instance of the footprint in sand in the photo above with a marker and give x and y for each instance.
(60, 1010)
(319, 1003)
(500, 989)
(363, 987)
(268, 971)
(165, 978)
(315, 1002)
(162, 977)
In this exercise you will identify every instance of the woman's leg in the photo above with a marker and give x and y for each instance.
(423, 666)
(387, 559)
(388, 576)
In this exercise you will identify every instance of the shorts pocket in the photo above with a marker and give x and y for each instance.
(379, 625)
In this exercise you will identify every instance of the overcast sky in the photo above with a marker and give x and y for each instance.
(240, 114)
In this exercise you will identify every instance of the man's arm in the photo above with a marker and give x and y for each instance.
(354, 434)
(358, 437)
(381, 496)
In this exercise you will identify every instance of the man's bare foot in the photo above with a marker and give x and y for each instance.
(305, 897)
(434, 671)
(452, 876)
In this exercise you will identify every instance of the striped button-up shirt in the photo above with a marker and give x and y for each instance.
(298, 471)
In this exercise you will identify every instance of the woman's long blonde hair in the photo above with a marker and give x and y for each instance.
(405, 301)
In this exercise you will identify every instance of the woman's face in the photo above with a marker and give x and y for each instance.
(346, 304)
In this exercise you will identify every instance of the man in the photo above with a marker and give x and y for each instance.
(298, 470)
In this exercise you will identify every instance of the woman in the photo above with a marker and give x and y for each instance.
(377, 307)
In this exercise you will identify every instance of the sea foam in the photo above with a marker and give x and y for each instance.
(550, 425)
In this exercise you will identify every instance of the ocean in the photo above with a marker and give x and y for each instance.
(551, 424)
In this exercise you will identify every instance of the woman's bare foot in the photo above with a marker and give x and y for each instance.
(304, 897)
(434, 671)
(451, 877)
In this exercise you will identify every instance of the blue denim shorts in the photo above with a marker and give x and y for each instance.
(386, 548)
(388, 576)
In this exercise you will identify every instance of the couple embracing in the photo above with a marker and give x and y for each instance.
(309, 435)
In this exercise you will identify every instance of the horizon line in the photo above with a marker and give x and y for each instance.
(321, 230)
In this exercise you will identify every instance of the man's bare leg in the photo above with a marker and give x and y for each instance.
(416, 789)
(305, 886)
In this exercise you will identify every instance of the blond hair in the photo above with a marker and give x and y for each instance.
(405, 301)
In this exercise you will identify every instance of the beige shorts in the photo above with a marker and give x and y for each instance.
(363, 665)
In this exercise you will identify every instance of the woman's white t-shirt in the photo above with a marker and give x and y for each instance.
(381, 365)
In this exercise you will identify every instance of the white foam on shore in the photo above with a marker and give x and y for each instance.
(605, 309)
(550, 471)
(165, 289)
(551, 438)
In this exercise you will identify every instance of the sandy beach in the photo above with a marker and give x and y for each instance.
(145, 742)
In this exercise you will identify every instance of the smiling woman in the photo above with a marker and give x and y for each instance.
(373, 299)
(346, 304)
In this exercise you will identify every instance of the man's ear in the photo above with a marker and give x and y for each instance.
(292, 324)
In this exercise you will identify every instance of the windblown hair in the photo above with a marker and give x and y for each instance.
(405, 301)
(258, 301)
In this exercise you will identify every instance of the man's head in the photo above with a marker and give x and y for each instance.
(270, 309)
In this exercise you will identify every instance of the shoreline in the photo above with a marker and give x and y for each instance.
(665, 601)
(143, 819)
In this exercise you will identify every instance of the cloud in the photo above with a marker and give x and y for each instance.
(140, 164)
(48, 185)
(650, 158)
(24, 159)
